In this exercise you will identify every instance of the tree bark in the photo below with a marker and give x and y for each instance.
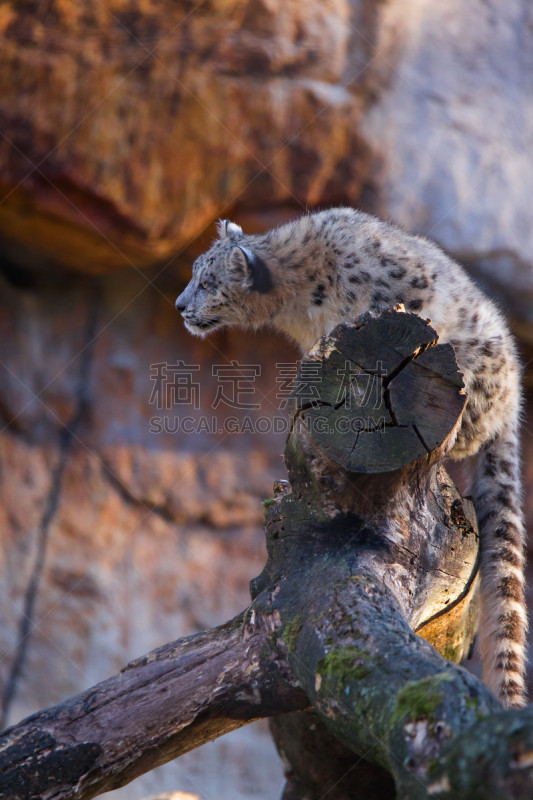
(162, 705)
(368, 545)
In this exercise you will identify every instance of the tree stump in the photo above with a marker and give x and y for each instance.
(369, 543)
(375, 408)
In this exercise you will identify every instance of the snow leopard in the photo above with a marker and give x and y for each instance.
(328, 267)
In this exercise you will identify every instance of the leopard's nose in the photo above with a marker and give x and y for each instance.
(180, 303)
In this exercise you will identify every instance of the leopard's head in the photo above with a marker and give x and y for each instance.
(227, 282)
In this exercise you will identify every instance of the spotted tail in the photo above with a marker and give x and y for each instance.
(503, 622)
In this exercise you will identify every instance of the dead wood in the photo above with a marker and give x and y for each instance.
(369, 544)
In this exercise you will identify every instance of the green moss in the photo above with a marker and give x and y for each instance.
(342, 665)
(291, 632)
(268, 502)
(420, 699)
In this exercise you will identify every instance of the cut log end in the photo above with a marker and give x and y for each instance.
(375, 396)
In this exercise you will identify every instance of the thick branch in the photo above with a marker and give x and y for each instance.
(383, 539)
(386, 693)
(161, 706)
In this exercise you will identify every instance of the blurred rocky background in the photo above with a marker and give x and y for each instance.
(126, 128)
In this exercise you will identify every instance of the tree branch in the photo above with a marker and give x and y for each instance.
(161, 706)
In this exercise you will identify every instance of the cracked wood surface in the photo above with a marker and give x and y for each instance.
(387, 391)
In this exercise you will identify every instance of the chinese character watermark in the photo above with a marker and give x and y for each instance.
(177, 386)
(235, 385)
(173, 385)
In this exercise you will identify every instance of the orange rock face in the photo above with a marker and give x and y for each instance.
(128, 127)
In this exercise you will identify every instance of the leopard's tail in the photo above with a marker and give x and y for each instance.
(503, 621)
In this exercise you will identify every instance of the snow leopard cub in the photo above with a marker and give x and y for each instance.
(325, 268)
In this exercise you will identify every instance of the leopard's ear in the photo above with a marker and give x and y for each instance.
(228, 230)
(250, 269)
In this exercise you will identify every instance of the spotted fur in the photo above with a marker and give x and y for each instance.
(309, 275)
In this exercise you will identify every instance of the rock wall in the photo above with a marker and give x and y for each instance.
(125, 129)
(451, 133)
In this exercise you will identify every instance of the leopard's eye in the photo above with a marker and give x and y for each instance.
(204, 285)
